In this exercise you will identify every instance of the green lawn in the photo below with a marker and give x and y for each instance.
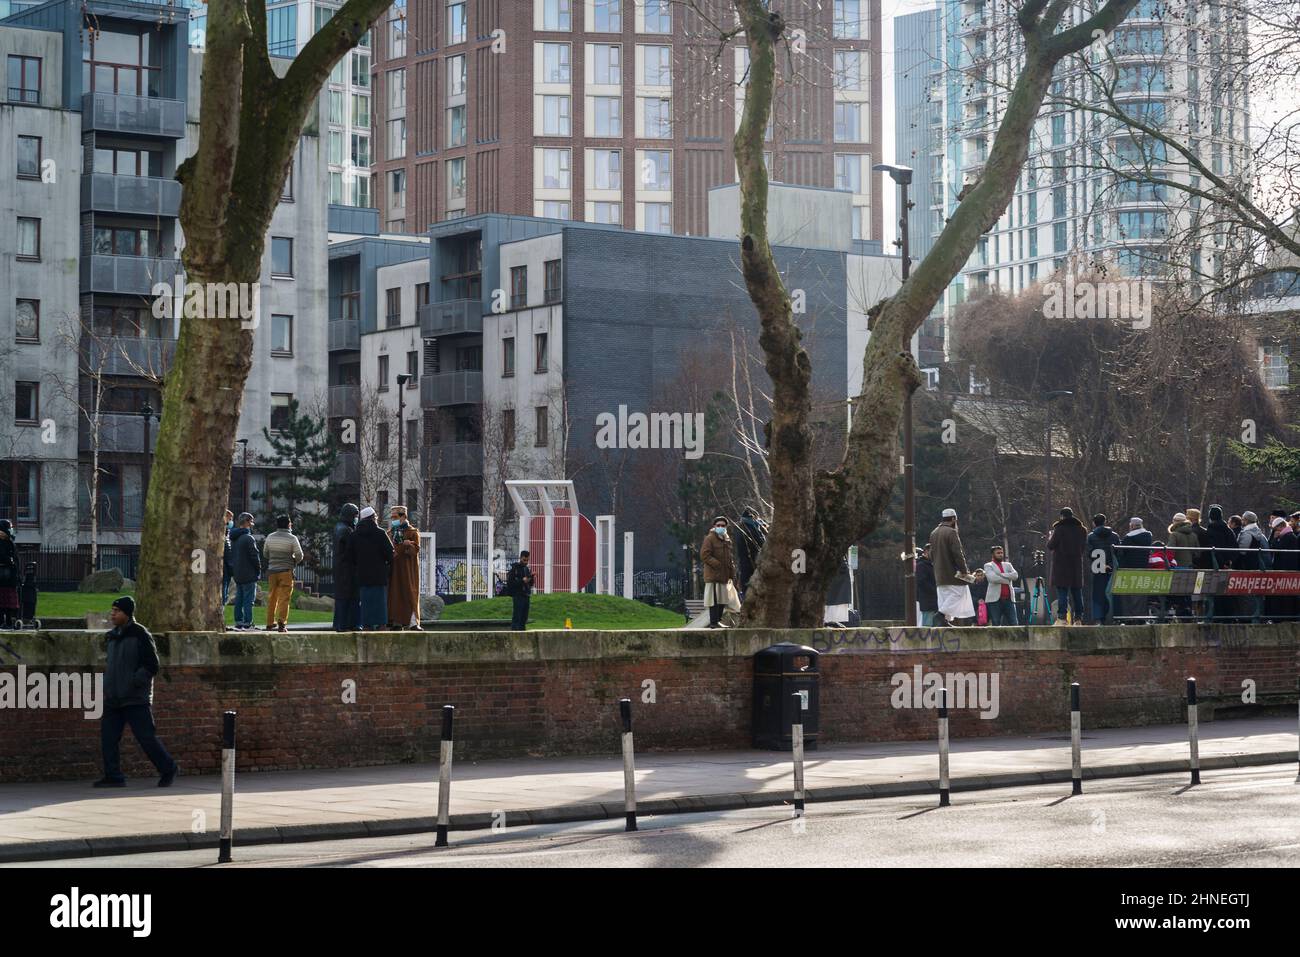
(608, 612)
(75, 604)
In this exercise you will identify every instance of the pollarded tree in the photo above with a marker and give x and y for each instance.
(249, 124)
(817, 514)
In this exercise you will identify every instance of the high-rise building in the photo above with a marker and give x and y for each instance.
(618, 112)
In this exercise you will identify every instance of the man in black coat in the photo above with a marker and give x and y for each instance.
(750, 535)
(128, 697)
(1101, 555)
(347, 609)
(1219, 535)
(927, 596)
(246, 564)
(1066, 543)
(519, 586)
(372, 558)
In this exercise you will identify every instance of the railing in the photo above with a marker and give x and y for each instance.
(62, 567)
(139, 195)
(452, 388)
(133, 275)
(347, 469)
(344, 335)
(344, 400)
(142, 115)
(118, 432)
(453, 317)
(454, 458)
(127, 355)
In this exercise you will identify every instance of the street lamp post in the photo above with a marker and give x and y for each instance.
(145, 413)
(402, 379)
(244, 443)
(902, 175)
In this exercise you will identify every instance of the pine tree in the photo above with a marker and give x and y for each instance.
(306, 448)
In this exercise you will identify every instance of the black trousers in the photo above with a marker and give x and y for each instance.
(520, 618)
(140, 718)
(715, 614)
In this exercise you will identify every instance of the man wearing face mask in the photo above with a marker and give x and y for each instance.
(718, 556)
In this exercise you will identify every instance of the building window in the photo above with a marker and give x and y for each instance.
(540, 352)
(555, 169)
(123, 241)
(608, 213)
(656, 66)
(286, 191)
(397, 36)
(543, 430)
(555, 116)
(413, 369)
(360, 149)
(554, 209)
(457, 134)
(608, 16)
(29, 157)
(658, 16)
(20, 492)
(658, 217)
(361, 188)
(456, 75)
(412, 450)
(657, 117)
(607, 169)
(508, 429)
(1275, 365)
(281, 335)
(361, 70)
(381, 452)
(848, 70)
(421, 294)
(393, 308)
(397, 190)
(456, 178)
(336, 149)
(360, 110)
(518, 287)
(555, 63)
(551, 291)
(397, 89)
(27, 402)
(24, 79)
(27, 320)
(657, 169)
(848, 20)
(848, 172)
(457, 23)
(382, 374)
(336, 108)
(556, 15)
(848, 123)
(280, 410)
(609, 115)
(508, 356)
(282, 256)
(396, 139)
(607, 66)
(29, 238)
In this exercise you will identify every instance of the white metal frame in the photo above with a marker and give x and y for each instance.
(605, 554)
(548, 494)
(472, 560)
(627, 566)
(428, 563)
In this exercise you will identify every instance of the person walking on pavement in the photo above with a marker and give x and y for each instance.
(9, 576)
(1101, 557)
(227, 563)
(283, 554)
(750, 536)
(519, 586)
(718, 557)
(1000, 597)
(347, 611)
(951, 575)
(128, 697)
(372, 552)
(247, 569)
(927, 598)
(1066, 542)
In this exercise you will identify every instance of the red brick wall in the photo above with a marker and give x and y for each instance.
(291, 715)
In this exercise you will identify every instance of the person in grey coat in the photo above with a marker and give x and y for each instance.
(128, 697)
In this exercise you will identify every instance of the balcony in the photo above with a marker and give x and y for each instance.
(344, 401)
(133, 115)
(453, 459)
(127, 355)
(347, 469)
(452, 388)
(345, 335)
(118, 432)
(128, 275)
(452, 318)
(135, 195)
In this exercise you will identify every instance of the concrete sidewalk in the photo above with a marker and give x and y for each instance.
(44, 821)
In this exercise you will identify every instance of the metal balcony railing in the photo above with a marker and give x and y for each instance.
(134, 115)
(452, 459)
(137, 195)
(118, 432)
(347, 469)
(452, 388)
(127, 355)
(451, 318)
(345, 335)
(344, 400)
(128, 275)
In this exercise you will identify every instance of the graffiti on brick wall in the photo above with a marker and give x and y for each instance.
(860, 641)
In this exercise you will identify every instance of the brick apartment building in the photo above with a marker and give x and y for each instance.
(619, 112)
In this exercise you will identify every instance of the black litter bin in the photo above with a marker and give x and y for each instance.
(780, 672)
(27, 593)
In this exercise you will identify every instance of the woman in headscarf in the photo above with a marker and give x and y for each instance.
(404, 585)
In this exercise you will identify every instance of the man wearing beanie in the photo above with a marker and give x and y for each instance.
(128, 697)
(372, 557)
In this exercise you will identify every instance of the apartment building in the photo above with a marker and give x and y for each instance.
(616, 112)
(88, 226)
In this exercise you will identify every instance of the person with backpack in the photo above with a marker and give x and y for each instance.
(519, 586)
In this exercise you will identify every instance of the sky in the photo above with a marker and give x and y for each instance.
(889, 197)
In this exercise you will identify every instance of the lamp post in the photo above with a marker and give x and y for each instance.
(902, 175)
(145, 413)
(244, 443)
(402, 379)
(1047, 448)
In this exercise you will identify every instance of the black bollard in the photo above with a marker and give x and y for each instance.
(796, 747)
(943, 747)
(629, 764)
(1192, 731)
(1076, 731)
(444, 776)
(227, 786)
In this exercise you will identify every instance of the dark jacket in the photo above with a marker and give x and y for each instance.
(1287, 557)
(749, 539)
(1066, 545)
(227, 559)
(372, 554)
(132, 664)
(246, 556)
(8, 562)
(1102, 539)
(718, 556)
(1219, 535)
(927, 596)
(947, 555)
(1202, 557)
(519, 580)
(345, 584)
(1135, 557)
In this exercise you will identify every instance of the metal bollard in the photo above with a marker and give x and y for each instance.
(1076, 731)
(943, 747)
(796, 746)
(227, 785)
(444, 776)
(1192, 731)
(629, 764)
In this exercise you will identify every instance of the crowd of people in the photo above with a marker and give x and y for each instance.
(1240, 542)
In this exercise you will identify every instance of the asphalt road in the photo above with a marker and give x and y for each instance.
(1244, 817)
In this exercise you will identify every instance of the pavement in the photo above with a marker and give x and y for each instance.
(61, 820)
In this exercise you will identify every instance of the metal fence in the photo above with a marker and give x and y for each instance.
(61, 568)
